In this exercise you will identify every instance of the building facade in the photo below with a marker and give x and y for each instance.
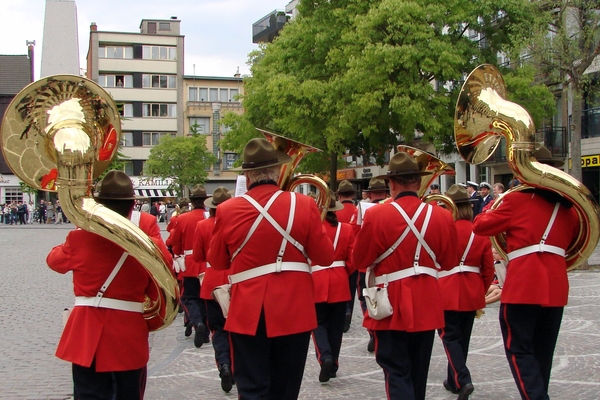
(60, 48)
(143, 72)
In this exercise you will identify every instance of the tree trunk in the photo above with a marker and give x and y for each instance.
(576, 133)
(333, 171)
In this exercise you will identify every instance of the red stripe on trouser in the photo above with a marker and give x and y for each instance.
(512, 359)
(316, 347)
(449, 357)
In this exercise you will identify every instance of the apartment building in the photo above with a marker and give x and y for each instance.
(208, 99)
(143, 72)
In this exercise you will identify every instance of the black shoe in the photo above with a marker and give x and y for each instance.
(449, 388)
(206, 339)
(199, 335)
(347, 322)
(465, 391)
(188, 330)
(371, 345)
(325, 373)
(226, 378)
(333, 374)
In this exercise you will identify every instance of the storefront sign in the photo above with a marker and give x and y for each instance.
(346, 174)
(590, 161)
(366, 173)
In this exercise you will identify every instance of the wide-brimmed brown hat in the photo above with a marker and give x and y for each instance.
(346, 186)
(198, 192)
(402, 164)
(459, 195)
(544, 156)
(334, 205)
(260, 153)
(376, 184)
(220, 195)
(116, 185)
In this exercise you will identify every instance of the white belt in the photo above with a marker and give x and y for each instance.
(336, 264)
(188, 252)
(457, 269)
(268, 269)
(541, 248)
(405, 273)
(109, 303)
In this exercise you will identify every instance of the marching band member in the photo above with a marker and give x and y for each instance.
(463, 292)
(182, 242)
(407, 242)
(265, 239)
(332, 293)
(213, 278)
(540, 225)
(346, 195)
(108, 342)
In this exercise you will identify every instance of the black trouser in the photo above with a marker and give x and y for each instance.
(269, 368)
(530, 332)
(190, 300)
(456, 336)
(220, 337)
(404, 357)
(330, 329)
(119, 385)
(352, 282)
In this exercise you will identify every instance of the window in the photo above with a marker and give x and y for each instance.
(125, 109)
(153, 138)
(111, 81)
(128, 168)
(229, 160)
(127, 139)
(164, 26)
(159, 81)
(201, 124)
(223, 95)
(12, 194)
(159, 53)
(115, 52)
(159, 110)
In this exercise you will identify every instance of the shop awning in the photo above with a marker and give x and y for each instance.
(149, 193)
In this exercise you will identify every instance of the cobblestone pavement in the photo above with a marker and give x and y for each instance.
(33, 297)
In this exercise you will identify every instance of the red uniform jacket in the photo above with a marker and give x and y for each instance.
(466, 291)
(183, 240)
(537, 278)
(346, 214)
(212, 277)
(287, 297)
(331, 285)
(416, 300)
(117, 340)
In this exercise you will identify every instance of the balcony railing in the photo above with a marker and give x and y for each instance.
(267, 28)
(208, 104)
(555, 139)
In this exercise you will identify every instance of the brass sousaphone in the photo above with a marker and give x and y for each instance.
(483, 117)
(287, 180)
(58, 134)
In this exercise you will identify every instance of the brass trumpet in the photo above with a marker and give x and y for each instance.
(483, 117)
(429, 163)
(58, 134)
(287, 180)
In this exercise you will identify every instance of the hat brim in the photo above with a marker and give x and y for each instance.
(469, 200)
(388, 176)
(553, 162)
(209, 203)
(282, 158)
(338, 207)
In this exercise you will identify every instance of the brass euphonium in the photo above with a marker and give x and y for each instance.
(58, 134)
(483, 117)
(429, 163)
(287, 180)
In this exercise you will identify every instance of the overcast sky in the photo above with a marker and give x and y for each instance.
(218, 33)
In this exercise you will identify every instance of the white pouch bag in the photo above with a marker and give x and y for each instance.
(222, 296)
(376, 298)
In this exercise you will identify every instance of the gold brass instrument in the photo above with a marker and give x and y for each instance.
(483, 117)
(429, 163)
(287, 180)
(58, 134)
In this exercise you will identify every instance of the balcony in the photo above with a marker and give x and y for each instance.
(268, 27)
(590, 123)
(554, 138)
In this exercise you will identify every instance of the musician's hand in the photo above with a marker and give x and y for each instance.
(179, 264)
(493, 294)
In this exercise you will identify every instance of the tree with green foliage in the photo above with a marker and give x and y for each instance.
(564, 52)
(183, 159)
(362, 76)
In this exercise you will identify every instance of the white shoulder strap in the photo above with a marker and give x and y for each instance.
(550, 223)
(110, 279)
(135, 218)
(419, 235)
(337, 235)
(464, 256)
